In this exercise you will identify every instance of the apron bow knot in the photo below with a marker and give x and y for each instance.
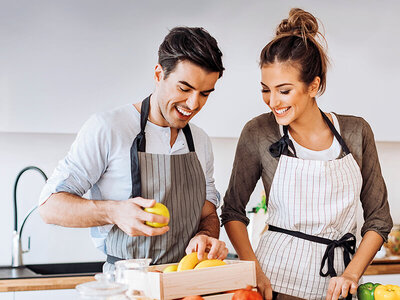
(282, 146)
(348, 243)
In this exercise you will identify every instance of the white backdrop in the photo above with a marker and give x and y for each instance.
(62, 60)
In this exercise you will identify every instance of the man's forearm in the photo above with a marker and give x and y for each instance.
(70, 210)
(209, 224)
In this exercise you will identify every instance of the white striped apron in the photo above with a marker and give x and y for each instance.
(318, 198)
(178, 182)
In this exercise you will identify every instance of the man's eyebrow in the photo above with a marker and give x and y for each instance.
(192, 87)
(186, 83)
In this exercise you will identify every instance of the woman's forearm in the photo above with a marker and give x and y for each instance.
(239, 237)
(369, 245)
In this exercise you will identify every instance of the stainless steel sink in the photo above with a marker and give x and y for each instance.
(51, 270)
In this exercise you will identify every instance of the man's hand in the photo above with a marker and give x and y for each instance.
(129, 216)
(341, 285)
(203, 243)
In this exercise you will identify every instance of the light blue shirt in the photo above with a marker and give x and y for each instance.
(98, 162)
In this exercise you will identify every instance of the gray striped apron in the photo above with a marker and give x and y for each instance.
(178, 182)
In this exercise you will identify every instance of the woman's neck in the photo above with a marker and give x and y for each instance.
(310, 129)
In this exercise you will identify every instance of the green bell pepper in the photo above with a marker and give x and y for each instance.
(366, 291)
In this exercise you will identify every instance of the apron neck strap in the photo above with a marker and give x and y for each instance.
(282, 146)
(139, 144)
(335, 133)
(189, 138)
(144, 115)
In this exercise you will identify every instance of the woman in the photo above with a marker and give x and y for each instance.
(315, 168)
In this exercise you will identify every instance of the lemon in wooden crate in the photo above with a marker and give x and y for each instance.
(158, 209)
(171, 268)
(210, 263)
(191, 261)
(188, 262)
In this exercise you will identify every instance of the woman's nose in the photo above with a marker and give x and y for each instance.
(274, 100)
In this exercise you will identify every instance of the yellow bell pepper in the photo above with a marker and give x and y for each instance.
(387, 292)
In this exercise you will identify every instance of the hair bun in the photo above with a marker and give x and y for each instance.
(300, 23)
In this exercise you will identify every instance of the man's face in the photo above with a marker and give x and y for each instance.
(182, 94)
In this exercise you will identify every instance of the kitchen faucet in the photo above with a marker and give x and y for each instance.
(16, 241)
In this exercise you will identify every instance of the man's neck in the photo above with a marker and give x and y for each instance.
(153, 112)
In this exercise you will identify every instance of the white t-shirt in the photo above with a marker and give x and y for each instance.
(331, 153)
(98, 161)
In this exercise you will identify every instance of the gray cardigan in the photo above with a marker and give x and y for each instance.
(253, 160)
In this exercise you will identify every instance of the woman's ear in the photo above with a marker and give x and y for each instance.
(314, 87)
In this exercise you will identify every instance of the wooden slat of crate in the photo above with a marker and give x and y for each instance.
(224, 296)
(235, 275)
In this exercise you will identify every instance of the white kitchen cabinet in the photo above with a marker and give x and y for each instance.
(67, 294)
(7, 296)
(62, 61)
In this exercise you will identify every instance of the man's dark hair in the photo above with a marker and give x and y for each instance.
(194, 44)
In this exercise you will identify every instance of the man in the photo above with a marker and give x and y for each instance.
(146, 153)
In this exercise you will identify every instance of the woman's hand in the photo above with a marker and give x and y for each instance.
(263, 283)
(341, 285)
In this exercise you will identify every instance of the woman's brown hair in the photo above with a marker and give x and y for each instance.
(296, 43)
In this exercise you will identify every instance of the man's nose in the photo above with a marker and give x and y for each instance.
(193, 101)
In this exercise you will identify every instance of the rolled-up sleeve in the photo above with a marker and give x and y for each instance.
(85, 162)
(374, 197)
(246, 172)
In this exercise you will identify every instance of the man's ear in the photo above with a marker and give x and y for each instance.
(158, 73)
(314, 86)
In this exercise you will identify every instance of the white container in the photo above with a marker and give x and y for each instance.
(103, 288)
(133, 273)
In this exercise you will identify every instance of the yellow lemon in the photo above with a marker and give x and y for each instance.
(210, 263)
(158, 209)
(171, 268)
(189, 261)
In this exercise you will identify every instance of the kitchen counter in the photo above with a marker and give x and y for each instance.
(36, 284)
(390, 265)
(377, 267)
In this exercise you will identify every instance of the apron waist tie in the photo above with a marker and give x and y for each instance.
(112, 259)
(347, 242)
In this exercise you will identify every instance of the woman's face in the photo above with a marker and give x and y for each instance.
(284, 93)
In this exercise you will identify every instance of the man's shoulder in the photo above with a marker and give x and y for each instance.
(113, 122)
(198, 131)
(119, 113)
(120, 116)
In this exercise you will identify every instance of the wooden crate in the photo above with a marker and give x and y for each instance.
(236, 274)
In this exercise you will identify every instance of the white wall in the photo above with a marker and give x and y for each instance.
(82, 56)
(48, 243)
(57, 244)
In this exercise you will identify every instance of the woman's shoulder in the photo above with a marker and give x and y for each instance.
(262, 122)
(356, 132)
(351, 123)
(262, 128)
